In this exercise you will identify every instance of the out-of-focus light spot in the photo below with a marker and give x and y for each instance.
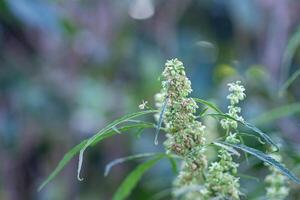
(256, 72)
(223, 71)
(208, 50)
(205, 44)
(141, 9)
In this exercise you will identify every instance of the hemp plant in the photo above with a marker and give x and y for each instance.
(187, 141)
(222, 181)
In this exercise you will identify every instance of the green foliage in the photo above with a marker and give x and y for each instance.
(160, 120)
(133, 178)
(65, 160)
(186, 139)
(255, 130)
(208, 104)
(266, 158)
(75, 150)
(104, 132)
(124, 159)
(289, 53)
(289, 81)
(277, 113)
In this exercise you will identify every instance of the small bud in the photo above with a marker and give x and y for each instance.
(143, 105)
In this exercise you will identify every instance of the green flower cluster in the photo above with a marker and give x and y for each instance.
(221, 180)
(276, 183)
(185, 135)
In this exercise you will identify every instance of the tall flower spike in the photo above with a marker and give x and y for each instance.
(221, 179)
(185, 135)
(276, 182)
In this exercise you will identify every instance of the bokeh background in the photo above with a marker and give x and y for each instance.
(67, 68)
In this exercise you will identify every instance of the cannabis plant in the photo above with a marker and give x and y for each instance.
(187, 143)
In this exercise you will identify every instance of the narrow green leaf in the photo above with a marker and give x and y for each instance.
(162, 194)
(138, 125)
(263, 135)
(248, 177)
(288, 82)
(139, 132)
(187, 188)
(105, 131)
(133, 178)
(226, 147)
(75, 150)
(208, 104)
(202, 113)
(68, 156)
(173, 164)
(277, 113)
(251, 135)
(160, 120)
(293, 45)
(245, 154)
(124, 159)
(266, 158)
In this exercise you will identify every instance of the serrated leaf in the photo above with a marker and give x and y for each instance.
(263, 135)
(133, 178)
(208, 104)
(102, 133)
(266, 158)
(75, 150)
(160, 120)
(125, 159)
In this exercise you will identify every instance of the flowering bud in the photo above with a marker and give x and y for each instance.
(185, 135)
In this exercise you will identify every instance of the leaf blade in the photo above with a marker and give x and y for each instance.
(263, 135)
(277, 113)
(67, 157)
(266, 158)
(208, 104)
(132, 179)
(160, 120)
(117, 161)
(102, 134)
(75, 150)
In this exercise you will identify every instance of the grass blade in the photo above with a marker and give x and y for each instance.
(226, 147)
(278, 113)
(124, 159)
(173, 164)
(263, 135)
(133, 178)
(65, 160)
(75, 150)
(290, 80)
(104, 131)
(202, 113)
(160, 120)
(266, 158)
(208, 104)
(289, 53)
